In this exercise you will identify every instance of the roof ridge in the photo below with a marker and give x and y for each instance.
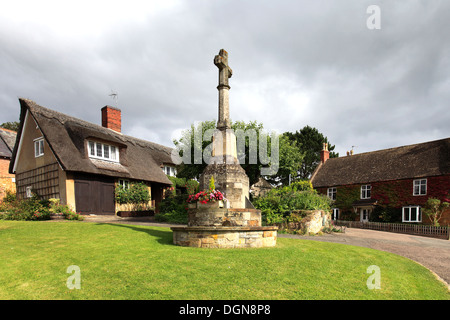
(90, 124)
(392, 148)
(8, 130)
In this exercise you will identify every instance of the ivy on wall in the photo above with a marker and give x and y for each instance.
(391, 196)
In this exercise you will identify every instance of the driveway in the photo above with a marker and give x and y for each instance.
(432, 253)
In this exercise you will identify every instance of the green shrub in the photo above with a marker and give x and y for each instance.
(136, 195)
(173, 209)
(28, 209)
(9, 197)
(36, 209)
(276, 206)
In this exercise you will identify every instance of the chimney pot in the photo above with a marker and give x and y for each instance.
(112, 118)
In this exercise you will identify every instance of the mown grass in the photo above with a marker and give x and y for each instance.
(139, 262)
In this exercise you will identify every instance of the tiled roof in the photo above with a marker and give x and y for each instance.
(413, 161)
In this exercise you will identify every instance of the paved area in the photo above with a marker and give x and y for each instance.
(432, 253)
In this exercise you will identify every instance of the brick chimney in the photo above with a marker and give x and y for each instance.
(324, 154)
(112, 118)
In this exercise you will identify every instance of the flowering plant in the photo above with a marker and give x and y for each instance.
(206, 196)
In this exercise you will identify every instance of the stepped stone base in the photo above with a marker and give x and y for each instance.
(225, 237)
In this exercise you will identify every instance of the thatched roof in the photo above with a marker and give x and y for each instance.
(66, 136)
(413, 161)
(7, 141)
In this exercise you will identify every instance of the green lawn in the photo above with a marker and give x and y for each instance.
(137, 262)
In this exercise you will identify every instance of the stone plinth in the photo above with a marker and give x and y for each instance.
(230, 179)
(225, 237)
(215, 227)
(224, 217)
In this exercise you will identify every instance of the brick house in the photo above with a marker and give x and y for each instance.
(7, 180)
(387, 185)
(81, 163)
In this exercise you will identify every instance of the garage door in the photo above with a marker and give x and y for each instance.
(94, 195)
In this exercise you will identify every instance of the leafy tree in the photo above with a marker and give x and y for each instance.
(14, 126)
(310, 141)
(290, 157)
(434, 209)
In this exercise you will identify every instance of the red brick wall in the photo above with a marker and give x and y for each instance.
(399, 193)
(112, 118)
(6, 179)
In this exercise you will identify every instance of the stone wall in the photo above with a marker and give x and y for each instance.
(224, 217)
(225, 237)
(309, 221)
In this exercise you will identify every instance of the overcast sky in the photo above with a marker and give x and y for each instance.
(295, 63)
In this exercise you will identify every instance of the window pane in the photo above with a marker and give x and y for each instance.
(113, 153)
(405, 214)
(423, 188)
(92, 148)
(99, 150)
(36, 148)
(41, 147)
(413, 214)
(106, 151)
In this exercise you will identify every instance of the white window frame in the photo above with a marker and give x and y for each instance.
(100, 149)
(366, 191)
(38, 147)
(332, 192)
(170, 171)
(335, 214)
(419, 183)
(406, 214)
(29, 191)
(124, 184)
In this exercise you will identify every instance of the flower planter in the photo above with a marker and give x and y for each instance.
(210, 204)
(192, 205)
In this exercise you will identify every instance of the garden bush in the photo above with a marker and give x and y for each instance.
(278, 204)
(173, 209)
(136, 196)
(34, 208)
(28, 209)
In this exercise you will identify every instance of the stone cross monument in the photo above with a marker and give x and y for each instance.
(237, 225)
(228, 174)
(225, 72)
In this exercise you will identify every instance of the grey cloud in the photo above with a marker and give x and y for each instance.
(371, 88)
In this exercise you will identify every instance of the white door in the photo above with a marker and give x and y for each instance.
(364, 217)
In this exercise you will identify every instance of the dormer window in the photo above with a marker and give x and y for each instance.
(170, 171)
(103, 151)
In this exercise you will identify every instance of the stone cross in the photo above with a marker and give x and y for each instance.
(225, 72)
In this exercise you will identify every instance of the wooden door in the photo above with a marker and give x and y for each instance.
(94, 195)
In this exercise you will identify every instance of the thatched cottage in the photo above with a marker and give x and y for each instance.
(81, 163)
